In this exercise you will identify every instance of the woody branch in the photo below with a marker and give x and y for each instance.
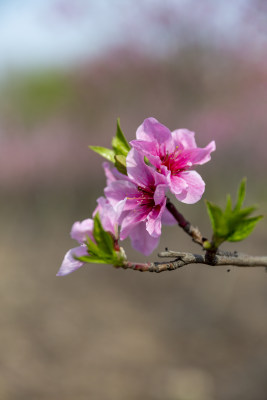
(182, 259)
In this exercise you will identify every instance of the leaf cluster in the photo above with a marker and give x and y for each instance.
(102, 251)
(119, 151)
(233, 223)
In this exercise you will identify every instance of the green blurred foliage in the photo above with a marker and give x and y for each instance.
(37, 96)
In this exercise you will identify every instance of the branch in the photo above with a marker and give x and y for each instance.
(191, 230)
(181, 259)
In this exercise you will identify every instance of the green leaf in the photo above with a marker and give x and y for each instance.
(120, 164)
(244, 229)
(228, 208)
(146, 160)
(102, 250)
(93, 249)
(119, 152)
(119, 142)
(232, 224)
(216, 215)
(91, 260)
(96, 255)
(241, 194)
(104, 152)
(103, 239)
(245, 212)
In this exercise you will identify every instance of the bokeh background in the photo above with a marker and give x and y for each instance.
(68, 69)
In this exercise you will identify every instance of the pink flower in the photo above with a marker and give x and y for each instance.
(173, 154)
(81, 230)
(143, 195)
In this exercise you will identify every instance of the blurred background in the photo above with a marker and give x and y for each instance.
(68, 69)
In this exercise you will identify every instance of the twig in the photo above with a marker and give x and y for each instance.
(191, 230)
(181, 259)
(212, 257)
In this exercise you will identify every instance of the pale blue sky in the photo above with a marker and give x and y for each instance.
(58, 32)
(45, 32)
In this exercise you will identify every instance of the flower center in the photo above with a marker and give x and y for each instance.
(175, 162)
(146, 197)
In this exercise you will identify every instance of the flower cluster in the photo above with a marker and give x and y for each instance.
(81, 231)
(158, 160)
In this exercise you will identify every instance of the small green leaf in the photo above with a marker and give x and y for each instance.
(244, 229)
(103, 239)
(245, 212)
(228, 208)
(101, 250)
(120, 164)
(232, 224)
(241, 194)
(120, 149)
(91, 260)
(116, 258)
(119, 142)
(215, 213)
(104, 152)
(93, 249)
(146, 160)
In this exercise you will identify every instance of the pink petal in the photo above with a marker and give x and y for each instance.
(119, 190)
(184, 138)
(149, 150)
(137, 170)
(161, 178)
(158, 135)
(109, 174)
(142, 241)
(160, 193)
(131, 220)
(167, 218)
(177, 184)
(153, 224)
(194, 190)
(152, 130)
(199, 155)
(70, 264)
(109, 215)
(112, 174)
(80, 230)
(203, 155)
